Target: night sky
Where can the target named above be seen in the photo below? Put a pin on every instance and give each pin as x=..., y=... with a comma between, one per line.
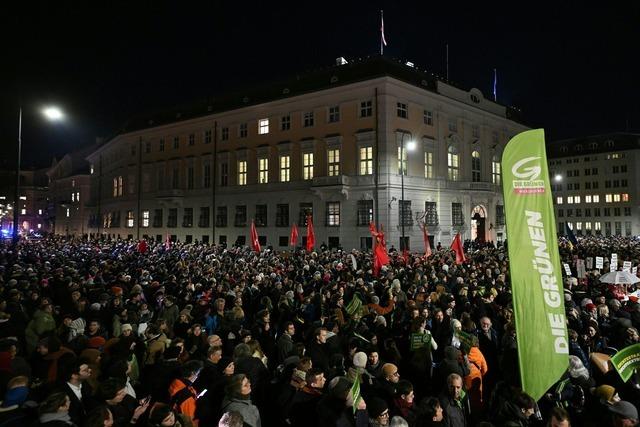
x=572, y=69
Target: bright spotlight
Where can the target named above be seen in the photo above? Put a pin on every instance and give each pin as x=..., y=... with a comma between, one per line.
x=53, y=113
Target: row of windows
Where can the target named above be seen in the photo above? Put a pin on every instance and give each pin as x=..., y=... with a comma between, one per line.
x=364, y=215
x=596, y=212
x=308, y=164
x=596, y=227
x=575, y=173
x=595, y=198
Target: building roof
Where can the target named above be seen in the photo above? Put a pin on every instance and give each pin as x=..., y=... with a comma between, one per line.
x=593, y=144
x=335, y=76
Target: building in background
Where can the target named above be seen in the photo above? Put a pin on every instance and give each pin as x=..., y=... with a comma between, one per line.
x=595, y=184
x=69, y=193
x=327, y=144
x=33, y=215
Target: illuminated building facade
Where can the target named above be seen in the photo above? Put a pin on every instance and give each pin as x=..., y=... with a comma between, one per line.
x=327, y=144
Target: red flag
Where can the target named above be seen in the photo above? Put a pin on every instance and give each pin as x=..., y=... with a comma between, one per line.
x=142, y=246
x=167, y=242
x=456, y=246
x=255, y=242
x=380, y=256
x=425, y=237
x=293, y=237
x=311, y=236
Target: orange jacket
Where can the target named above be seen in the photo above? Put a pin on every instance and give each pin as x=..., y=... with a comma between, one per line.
x=478, y=369
x=183, y=398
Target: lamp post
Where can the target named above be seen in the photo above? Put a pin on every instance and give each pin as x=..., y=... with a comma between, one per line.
x=411, y=145
x=52, y=114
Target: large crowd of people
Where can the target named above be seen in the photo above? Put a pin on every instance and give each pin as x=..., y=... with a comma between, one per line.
x=122, y=333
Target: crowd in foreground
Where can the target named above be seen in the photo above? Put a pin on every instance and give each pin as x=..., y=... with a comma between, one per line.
x=118, y=333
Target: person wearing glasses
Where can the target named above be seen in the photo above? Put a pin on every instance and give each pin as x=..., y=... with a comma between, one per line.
x=378, y=412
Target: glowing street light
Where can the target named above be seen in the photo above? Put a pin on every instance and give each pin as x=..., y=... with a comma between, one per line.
x=52, y=114
x=558, y=178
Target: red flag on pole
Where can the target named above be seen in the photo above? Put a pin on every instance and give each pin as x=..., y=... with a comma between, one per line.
x=380, y=256
x=425, y=237
x=457, y=247
x=255, y=242
x=311, y=236
x=142, y=246
x=293, y=237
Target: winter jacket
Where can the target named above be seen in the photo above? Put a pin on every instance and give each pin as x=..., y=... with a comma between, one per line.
x=248, y=410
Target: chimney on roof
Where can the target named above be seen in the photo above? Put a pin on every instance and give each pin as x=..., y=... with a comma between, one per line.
x=341, y=61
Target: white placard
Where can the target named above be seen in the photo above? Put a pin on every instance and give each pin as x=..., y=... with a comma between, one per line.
x=589, y=263
x=613, y=266
x=599, y=262
x=582, y=273
x=566, y=268
x=626, y=266
x=634, y=270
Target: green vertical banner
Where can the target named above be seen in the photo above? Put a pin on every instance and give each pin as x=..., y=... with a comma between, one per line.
x=536, y=275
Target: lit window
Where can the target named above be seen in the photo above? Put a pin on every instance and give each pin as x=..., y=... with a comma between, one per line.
x=23, y=197
x=333, y=214
x=596, y=198
x=68, y=212
x=129, y=219
x=616, y=197
x=120, y=185
x=597, y=226
x=307, y=166
x=263, y=126
x=570, y=200
x=263, y=171
x=285, y=168
x=145, y=218
x=333, y=161
x=91, y=169
x=578, y=226
x=428, y=164
x=625, y=197
x=475, y=166
x=242, y=172
x=559, y=200
x=496, y=173
x=608, y=198
x=78, y=196
x=576, y=199
x=366, y=160
x=73, y=197
x=39, y=211
x=24, y=212
x=453, y=164
x=587, y=199
x=39, y=226
x=587, y=225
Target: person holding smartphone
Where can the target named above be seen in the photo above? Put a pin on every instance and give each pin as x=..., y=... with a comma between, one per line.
x=183, y=393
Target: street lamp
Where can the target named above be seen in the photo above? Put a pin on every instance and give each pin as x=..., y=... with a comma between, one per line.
x=558, y=178
x=52, y=114
x=410, y=146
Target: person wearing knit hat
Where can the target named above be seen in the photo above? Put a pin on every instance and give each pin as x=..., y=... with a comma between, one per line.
x=126, y=329
x=360, y=360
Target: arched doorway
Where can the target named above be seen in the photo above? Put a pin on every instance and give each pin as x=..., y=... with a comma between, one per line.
x=478, y=224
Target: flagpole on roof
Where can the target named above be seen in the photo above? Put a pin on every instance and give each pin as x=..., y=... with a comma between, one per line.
x=383, y=42
x=495, y=85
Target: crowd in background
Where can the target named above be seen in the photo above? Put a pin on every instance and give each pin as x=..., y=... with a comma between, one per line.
x=122, y=333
